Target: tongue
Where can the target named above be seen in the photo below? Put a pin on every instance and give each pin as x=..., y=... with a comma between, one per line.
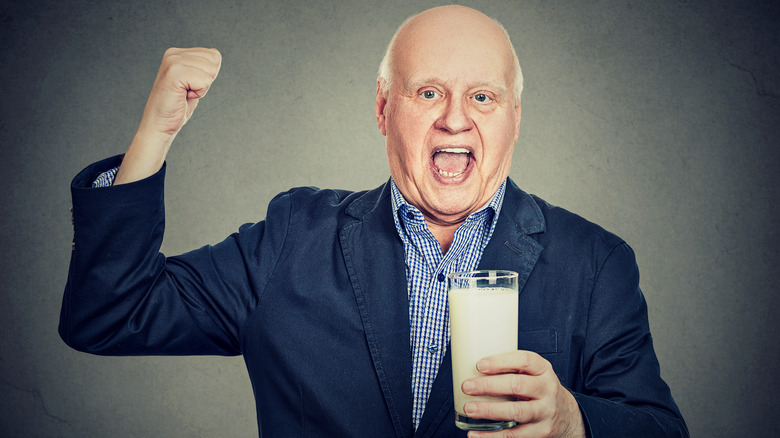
x=451, y=162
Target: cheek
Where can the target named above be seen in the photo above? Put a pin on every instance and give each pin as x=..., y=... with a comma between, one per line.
x=399, y=156
x=412, y=120
x=409, y=136
x=499, y=139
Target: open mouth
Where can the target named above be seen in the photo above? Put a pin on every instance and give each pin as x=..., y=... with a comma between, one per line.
x=451, y=162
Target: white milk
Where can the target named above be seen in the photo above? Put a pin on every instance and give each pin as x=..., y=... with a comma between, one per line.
x=483, y=322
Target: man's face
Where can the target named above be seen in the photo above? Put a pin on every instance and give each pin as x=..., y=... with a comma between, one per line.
x=450, y=117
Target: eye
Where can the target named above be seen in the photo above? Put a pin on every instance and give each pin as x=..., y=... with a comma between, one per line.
x=429, y=94
x=482, y=98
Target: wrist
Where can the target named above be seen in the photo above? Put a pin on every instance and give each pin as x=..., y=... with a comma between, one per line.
x=576, y=424
x=145, y=156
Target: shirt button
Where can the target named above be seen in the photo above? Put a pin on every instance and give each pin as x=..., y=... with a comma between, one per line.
x=433, y=348
x=409, y=215
x=441, y=277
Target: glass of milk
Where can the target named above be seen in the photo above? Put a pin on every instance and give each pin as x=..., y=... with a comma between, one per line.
x=483, y=322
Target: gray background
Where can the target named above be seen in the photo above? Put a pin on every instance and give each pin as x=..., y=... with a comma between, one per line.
x=658, y=120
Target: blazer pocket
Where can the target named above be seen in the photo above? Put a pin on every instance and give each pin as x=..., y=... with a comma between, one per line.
x=539, y=341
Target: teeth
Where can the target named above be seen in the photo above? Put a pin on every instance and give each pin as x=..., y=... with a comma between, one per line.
x=448, y=174
x=454, y=150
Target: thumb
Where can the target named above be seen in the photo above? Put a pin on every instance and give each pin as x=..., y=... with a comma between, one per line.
x=196, y=94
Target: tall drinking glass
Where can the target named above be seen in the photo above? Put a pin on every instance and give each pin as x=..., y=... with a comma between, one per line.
x=483, y=322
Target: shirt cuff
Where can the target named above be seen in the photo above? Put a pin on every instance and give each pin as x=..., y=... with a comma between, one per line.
x=105, y=179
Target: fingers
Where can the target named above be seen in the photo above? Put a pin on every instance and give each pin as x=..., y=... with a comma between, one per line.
x=519, y=386
x=522, y=412
x=192, y=70
x=520, y=361
x=529, y=430
x=523, y=376
x=538, y=401
x=208, y=60
x=535, y=418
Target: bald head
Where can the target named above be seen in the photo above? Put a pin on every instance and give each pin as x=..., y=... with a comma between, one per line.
x=449, y=28
x=448, y=104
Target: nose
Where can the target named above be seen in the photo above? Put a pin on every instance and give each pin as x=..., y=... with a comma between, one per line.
x=454, y=117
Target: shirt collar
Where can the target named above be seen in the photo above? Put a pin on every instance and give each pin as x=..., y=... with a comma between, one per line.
x=412, y=216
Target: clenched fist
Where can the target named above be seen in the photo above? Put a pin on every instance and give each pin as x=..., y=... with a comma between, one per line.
x=184, y=77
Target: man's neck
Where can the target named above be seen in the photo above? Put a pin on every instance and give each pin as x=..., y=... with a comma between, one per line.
x=443, y=231
x=444, y=234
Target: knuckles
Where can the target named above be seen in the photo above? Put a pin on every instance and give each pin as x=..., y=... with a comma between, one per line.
x=517, y=385
x=175, y=55
x=519, y=412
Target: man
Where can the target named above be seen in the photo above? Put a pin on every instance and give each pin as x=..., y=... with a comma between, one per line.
x=337, y=299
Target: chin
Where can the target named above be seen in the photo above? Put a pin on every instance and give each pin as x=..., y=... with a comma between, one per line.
x=457, y=207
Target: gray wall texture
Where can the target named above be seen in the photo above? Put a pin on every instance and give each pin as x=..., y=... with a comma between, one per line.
x=658, y=120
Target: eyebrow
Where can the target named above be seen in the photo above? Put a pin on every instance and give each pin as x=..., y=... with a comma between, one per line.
x=414, y=85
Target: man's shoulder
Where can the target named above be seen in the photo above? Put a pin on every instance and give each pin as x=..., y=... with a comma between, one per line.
x=566, y=228
x=559, y=226
x=318, y=203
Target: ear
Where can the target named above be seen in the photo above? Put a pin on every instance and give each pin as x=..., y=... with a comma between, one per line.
x=517, y=120
x=381, y=102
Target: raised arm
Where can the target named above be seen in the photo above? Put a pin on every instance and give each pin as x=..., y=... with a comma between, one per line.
x=184, y=77
x=123, y=296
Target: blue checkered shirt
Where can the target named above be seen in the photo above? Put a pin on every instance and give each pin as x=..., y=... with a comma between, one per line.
x=426, y=274
x=106, y=178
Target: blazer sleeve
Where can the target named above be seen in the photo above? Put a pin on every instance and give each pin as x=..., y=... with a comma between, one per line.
x=123, y=297
x=623, y=393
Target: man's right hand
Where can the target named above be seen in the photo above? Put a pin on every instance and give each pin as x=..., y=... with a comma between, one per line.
x=184, y=77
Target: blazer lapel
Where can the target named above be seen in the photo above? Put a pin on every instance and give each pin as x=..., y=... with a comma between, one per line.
x=511, y=247
x=375, y=261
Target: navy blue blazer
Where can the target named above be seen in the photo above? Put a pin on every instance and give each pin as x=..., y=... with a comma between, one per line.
x=315, y=299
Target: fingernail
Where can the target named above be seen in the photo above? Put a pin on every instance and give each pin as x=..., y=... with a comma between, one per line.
x=481, y=365
x=470, y=408
x=468, y=386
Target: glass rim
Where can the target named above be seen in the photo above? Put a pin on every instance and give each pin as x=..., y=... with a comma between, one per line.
x=483, y=274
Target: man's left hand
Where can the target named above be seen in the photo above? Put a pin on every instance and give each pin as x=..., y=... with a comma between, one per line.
x=542, y=407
